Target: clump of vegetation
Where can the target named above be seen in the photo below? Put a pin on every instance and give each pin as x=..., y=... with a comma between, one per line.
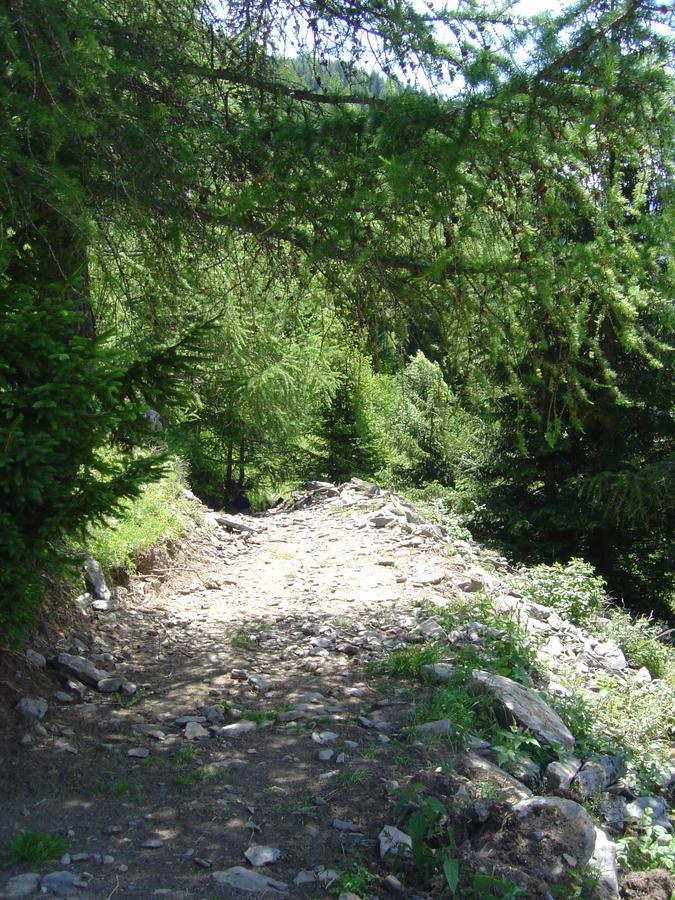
x=158, y=515
x=35, y=847
x=406, y=662
x=572, y=589
x=640, y=638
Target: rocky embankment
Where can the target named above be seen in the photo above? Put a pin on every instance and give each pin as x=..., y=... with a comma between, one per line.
x=229, y=724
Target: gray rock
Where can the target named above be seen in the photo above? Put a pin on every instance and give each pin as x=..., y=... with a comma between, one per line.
x=236, y=729
x=149, y=731
x=655, y=807
x=325, y=755
x=81, y=668
x=61, y=883
x=381, y=520
x=261, y=854
x=348, y=827
x=348, y=895
x=36, y=658
x=195, y=732
x=242, y=879
x=526, y=770
x=129, y=688
x=214, y=713
x=62, y=697
x=185, y=720
x=21, y=886
x=138, y=752
x=440, y=728
x=261, y=683
x=526, y=707
x=430, y=628
x=505, y=786
x=364, y=487
x=611, y=655
x=32, y=708
x=613, y=812
x=558, y=775
x=439, y=672
x=109, y=685
x=152, y=844
x=97, y=579
x=324, y=737
x=392, y=884
x=394, y=841
x=597, y=774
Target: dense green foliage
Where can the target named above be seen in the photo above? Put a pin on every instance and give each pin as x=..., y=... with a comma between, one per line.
x=424, y=245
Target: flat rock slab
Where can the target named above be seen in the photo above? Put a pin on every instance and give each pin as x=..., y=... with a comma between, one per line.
x=250, y=882
x=81, y=668
x=482, y=770
x=21, y=886
x=526, y=707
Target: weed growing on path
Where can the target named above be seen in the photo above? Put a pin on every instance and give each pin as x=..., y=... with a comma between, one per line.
x=34, y=847
x=124, y=788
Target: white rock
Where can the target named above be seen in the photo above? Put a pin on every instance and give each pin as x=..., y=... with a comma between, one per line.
x=394, y=841
x=97, y=579
x=430, y=628
x=261, y=854
x=236, y=729
x=604, y=860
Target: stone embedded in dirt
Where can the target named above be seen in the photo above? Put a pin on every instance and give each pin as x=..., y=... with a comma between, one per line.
x=62, y=697
x=526, y=707
x=202, y=863
x=236, y=729
x=505, y=786
x=597, y=774
x=440, y=728
x=196, y=732
x=21, y=886
x=36, y=658
x=109, y=685
x=392, y=884
x=348, y=895
x=239, y=674
x=324, y=737
x=81, y=668
x=138, y=752
x=348, y=827
x=262, y=855
x=214, y=713
x=394, y=841
x=604, y=862
x=149, y=731
x=559, y=774
x=61, y=883
x=185, y=720
x=128, y=688
x=382, y=519
x=430, y=628
x=242, y=879
x=326, y=755
x=261, y=683
x=32, y=708
x=655, y=807
x=612, y=811
x=152, y=844
x=77, y=688
x=438, y=672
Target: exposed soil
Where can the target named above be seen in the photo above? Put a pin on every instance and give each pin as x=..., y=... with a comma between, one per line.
x=260, y=603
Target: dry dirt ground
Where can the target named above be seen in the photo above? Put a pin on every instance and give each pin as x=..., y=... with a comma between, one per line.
x=306, y=601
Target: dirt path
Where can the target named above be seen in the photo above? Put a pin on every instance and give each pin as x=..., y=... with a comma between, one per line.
x=270, y=632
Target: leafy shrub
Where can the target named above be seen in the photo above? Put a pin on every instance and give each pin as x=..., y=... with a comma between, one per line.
x=639, y=640
x=648, y=847
x=573, y=589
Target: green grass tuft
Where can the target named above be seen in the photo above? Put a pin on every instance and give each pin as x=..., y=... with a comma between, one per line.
x=35, y=847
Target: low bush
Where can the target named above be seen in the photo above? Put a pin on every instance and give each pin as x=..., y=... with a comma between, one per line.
x=573, y=589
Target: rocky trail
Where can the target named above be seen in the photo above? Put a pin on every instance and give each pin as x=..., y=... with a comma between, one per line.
x=218, y=729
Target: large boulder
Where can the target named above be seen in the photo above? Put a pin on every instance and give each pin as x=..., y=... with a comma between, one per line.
x=514, y=701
